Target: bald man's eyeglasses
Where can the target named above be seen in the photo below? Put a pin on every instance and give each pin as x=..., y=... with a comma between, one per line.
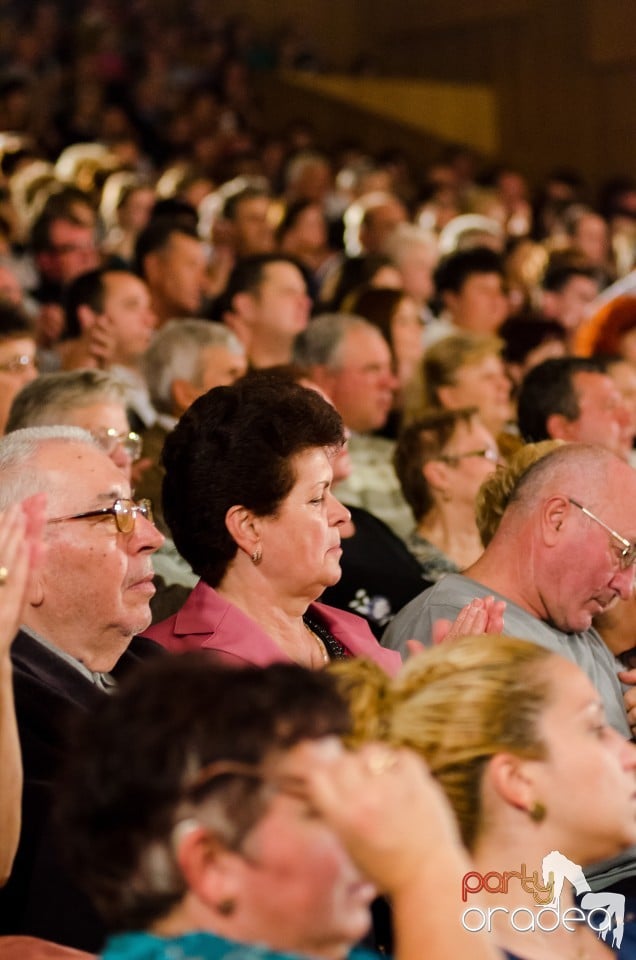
x=626, y=549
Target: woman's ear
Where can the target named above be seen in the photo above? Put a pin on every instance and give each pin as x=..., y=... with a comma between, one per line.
x=243, y=527
x=513, y=780
x=209, y=869
x=435, y=473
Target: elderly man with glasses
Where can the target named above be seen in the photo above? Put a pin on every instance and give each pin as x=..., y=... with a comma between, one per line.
x=90, y=599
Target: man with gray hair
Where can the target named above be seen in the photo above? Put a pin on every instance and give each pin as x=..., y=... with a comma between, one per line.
x=349, y=359
x=90, y=598
x=91, y=399
x=185, y=360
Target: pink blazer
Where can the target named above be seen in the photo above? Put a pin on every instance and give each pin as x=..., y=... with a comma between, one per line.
x=208, y=622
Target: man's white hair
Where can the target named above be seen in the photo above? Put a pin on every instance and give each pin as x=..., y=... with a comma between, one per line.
x=17, y=449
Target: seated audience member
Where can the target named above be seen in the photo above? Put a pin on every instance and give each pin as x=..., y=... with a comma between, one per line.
x=171, y=259
x=395, y=314
x=94, y=401
x=470, y=285
x=464, y=371
x=568, y=289
x=370, y=220
x=350, y=360
x=528, y=340
x=353, y=272
x=441, y=461
x=266, y=306
x=261, y=527
x=185, y=360
x=303, y=233
x=90, y=598
x=572, y=398
x=514, y=735
x=588, y=233
x=125, y=208
x=90, y=399
x=246, y=830
x=17, y=357
x=378, y=574
x=559, y=510
x=414, y=252
x=21, y=528
x=110, y=324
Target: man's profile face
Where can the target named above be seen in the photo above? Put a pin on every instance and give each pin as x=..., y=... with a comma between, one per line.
x=182, y=274
x=481, y=305
x=363, y=385
x=72, y=251
x=253, y=230
x=128, y=310
x=604, y=417
x=282, y=303
x=590, y=578
x=94, y=581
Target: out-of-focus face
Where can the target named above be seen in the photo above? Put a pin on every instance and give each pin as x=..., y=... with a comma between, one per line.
x=98, y=418
x=220, y=367
x=604, y=417
x=309, y=233
x=477, y=456
x=17, y=368
x=571, y=305
x=72, y=251
x=301, y=542
x=10, y=289
x=282, y=306
x=592, y=238
x=362, y=386
x=481, y=305
x=406, y=329
x=134, y=213
x=482, y=384
x=299, y=890
x=582, y=749
x=178, y=282
x=416, y=267
x=252, y=227
x=623, y=376
x=130, y=315
x=379, y=224
x=94, y=583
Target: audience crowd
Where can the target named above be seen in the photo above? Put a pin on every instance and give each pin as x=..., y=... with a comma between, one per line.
x=273, y=409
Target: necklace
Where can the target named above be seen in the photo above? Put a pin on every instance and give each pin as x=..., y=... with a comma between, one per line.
x=323, y=650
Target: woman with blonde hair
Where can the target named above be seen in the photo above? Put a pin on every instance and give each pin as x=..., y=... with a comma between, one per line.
x=514, y=734
x=463, y=370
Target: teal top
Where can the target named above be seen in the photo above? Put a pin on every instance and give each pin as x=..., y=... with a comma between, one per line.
x=197, y=946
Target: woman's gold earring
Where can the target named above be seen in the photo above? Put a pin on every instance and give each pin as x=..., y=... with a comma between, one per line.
x=537, y=812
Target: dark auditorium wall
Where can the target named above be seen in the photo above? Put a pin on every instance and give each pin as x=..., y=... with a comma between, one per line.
x=564, y=71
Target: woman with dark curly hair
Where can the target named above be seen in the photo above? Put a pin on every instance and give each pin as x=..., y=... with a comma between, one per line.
x=247, y=496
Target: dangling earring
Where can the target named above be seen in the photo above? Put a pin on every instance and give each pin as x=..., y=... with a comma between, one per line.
x=257, y=556
x=537, y=812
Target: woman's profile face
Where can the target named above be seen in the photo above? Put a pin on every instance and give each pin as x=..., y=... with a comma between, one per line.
x=588, y=780
x=301, y=542
x=300, y=891
x=476, y=452
x=406, y=331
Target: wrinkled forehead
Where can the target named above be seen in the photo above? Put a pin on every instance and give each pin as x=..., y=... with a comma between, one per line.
x=77, y=477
